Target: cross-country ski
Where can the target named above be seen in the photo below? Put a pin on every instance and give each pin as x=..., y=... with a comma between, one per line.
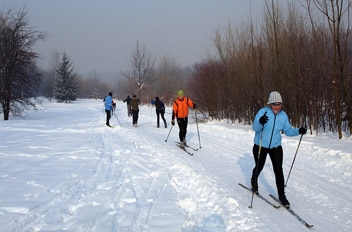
x=260, y=196
x=294, y=214
x=186, y=145
x=184, y=149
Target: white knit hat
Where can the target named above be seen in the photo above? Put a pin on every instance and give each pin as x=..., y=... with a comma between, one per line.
x=274, y=97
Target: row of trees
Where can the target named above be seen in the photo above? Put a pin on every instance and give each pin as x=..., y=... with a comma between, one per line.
x=303, y=54
x=146, y=78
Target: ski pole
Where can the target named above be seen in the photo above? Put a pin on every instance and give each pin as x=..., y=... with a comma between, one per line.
x=256, y=164
x=195, y=112
x=169, y=133
x=294, y=158
x=117, y=119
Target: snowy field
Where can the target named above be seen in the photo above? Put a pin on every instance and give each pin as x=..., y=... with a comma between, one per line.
x=62, y=169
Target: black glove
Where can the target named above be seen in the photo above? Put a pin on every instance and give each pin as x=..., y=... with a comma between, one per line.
x=194, y=106
x=173, y=122
x=263, y=119
x=302, y=131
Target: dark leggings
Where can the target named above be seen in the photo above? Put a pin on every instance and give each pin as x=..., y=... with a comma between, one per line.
x=108, y=116
x=276, y=156
x=158, y=113
x=135, y=116
x=182, y=125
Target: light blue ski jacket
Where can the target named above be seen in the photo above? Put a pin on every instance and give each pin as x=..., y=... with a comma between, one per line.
x=108, y=102
x=271, y=130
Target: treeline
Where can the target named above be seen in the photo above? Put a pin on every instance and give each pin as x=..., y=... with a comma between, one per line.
x=146, y=78
x=305, y=55
x=304, y=52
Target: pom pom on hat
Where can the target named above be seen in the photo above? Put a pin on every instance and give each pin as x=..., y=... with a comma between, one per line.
x=274, y=97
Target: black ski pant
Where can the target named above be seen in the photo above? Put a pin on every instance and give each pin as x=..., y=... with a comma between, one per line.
x=108, y=116
x=276, y=156
x=182, y=125
x=135, y=116
x=158, y=114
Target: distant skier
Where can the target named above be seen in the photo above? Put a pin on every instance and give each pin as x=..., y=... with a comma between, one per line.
x=108, y=108
x=160, y=110
x=128, y=102
x=134, y=110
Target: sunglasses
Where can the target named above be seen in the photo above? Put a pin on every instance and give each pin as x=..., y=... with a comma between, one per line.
x=276, y=104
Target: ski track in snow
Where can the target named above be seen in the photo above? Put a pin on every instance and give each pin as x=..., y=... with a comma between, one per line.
x=129, y=179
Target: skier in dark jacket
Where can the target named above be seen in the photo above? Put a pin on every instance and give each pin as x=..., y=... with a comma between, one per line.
x=128, y=102
x=134, y=110
x=160, y=110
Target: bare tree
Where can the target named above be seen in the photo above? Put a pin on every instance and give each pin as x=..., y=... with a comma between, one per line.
x=19, y=78
x=169, y=77
x=334, y=11
x=94, y=84
x=142, y=73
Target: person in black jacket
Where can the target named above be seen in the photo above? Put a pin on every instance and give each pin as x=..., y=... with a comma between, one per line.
x=160, y=110
x=128, y=102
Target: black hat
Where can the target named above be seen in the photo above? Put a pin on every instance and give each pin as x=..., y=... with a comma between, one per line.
x=110, y=93
x=134, y=95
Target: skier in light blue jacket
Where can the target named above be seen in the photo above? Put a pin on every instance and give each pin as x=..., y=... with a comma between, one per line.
x=268, y=124
x=108, y=108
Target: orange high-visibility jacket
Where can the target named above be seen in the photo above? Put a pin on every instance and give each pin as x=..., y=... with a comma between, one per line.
x=180, y=108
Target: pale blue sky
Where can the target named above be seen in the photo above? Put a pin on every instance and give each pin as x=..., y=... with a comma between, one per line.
x=100, y=35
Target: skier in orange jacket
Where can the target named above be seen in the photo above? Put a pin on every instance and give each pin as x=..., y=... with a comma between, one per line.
x=180, y=112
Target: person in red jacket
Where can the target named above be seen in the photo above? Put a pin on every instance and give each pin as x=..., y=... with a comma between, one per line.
x=180, y=112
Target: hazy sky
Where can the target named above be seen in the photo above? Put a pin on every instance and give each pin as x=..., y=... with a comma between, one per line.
x=100, y=35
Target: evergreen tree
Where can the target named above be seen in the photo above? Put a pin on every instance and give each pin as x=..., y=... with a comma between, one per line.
x=65, y=88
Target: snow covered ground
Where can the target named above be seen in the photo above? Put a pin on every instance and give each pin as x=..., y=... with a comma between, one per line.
x=62, y=169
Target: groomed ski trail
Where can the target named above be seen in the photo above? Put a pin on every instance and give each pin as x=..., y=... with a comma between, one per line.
x=133, y=181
